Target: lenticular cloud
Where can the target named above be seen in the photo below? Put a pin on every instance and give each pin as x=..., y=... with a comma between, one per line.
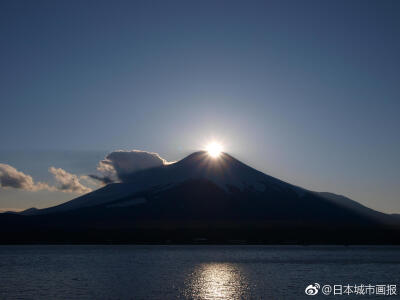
x=118, y=165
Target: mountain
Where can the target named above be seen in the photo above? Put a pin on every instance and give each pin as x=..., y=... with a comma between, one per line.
x=201, y=198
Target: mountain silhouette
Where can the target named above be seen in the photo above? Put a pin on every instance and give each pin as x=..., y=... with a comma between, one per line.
x=203, y=199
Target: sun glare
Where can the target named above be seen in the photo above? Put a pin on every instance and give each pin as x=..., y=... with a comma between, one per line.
x=214, y=149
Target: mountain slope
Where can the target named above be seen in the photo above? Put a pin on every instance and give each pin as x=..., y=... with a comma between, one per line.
x=226, y=172
x=219, y=199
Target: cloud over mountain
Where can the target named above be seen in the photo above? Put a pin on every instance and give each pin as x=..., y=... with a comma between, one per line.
x=68, y=182
x=10, y=177
x=118, y=165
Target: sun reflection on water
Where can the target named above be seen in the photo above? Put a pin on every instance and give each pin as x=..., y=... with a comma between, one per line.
x=217, y=281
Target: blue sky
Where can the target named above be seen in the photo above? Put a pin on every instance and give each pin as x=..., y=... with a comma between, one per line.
x=306, y=91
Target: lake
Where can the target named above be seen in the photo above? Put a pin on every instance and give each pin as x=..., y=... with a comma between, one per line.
x=194, y=272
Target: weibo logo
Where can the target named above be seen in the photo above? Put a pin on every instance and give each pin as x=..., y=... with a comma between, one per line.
x=312, y=290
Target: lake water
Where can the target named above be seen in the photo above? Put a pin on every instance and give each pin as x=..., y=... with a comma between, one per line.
x=191, y=272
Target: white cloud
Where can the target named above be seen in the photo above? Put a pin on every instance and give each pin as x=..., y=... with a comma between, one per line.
x=116, y=166
x=66, y=182
x=119, y=164
x=11, y=177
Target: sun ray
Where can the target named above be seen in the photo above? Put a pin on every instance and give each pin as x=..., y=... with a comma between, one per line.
x=214, y=149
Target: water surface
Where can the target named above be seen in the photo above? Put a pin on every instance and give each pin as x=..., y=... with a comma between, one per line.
x=189, y=272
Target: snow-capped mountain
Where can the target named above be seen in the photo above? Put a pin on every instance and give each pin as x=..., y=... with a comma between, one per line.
x=204, y=196
x=225, y=171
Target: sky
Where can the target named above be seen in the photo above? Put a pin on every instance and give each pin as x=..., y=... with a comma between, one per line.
x=306, y=91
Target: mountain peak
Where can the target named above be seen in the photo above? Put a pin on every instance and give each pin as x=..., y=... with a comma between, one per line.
x=224, y=175
x=202, y=158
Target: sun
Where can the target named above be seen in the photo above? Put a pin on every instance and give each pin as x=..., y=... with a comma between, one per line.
x=214, y=149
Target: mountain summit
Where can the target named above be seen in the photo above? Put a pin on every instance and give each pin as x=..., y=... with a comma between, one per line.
x=214, y=199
